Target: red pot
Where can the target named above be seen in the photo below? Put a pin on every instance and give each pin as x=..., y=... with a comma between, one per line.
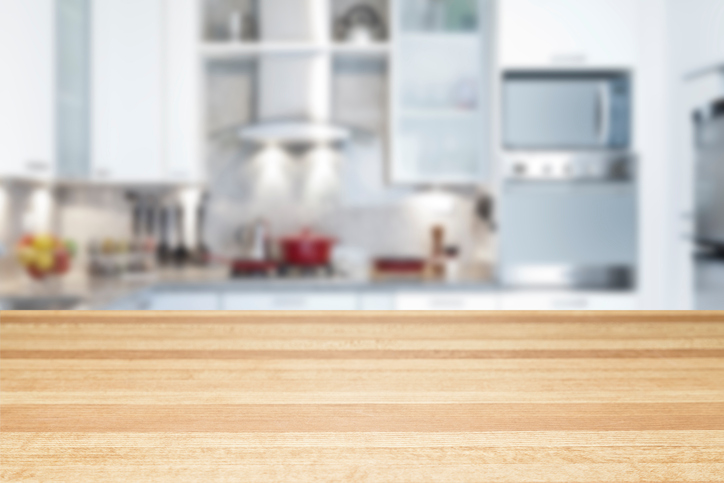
x=307, y=249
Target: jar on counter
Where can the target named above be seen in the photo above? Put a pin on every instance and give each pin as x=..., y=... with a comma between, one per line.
x=452, y=264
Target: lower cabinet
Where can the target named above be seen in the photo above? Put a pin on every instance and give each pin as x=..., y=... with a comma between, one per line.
x=376, y=301
x=190, y=300
x=446, y=301
x=568, y=301
x=291, y=300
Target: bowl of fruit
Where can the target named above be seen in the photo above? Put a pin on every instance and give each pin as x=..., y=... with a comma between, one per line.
x=44, y=255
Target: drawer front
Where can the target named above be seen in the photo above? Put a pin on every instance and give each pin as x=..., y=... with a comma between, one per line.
x=370, y=301
x=182, y=301
x=445, y=301
x=569, y=302
x=290, y=301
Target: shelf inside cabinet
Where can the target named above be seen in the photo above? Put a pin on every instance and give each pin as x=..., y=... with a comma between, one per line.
x=224, y=50
x=439, y=113
x=379, y=49
x=443, y=38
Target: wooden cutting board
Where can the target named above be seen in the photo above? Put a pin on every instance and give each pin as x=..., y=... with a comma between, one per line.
x=347, y=397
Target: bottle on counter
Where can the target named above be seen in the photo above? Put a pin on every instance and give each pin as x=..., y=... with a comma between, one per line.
x=436, y=262
x=135, y=262
x=163, y=250
x=181, y=253
x=202, y=254
x=149, y=240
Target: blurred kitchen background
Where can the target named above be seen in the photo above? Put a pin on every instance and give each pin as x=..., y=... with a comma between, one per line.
x=362, y=154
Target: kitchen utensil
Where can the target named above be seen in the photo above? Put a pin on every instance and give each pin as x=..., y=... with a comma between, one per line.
x=236, y=26
x=181, y=252
x=360, y=24
x=306, y=249
x=163, y=250
x=202, y=254
x=254, y=241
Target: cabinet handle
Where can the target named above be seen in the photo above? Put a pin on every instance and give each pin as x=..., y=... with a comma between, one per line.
x=37, y=165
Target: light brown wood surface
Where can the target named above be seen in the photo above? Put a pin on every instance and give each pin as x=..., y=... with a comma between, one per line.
x=314, y=397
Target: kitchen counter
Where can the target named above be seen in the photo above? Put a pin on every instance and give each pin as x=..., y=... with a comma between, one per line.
x=581, y=397
x=120, y=292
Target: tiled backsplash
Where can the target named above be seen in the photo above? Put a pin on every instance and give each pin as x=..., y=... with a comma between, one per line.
x=341, y=193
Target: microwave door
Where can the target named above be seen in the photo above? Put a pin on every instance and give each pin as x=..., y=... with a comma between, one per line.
x=556, y=114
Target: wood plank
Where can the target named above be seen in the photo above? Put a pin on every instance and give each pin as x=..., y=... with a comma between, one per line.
x=508, y=397
x=208, y=355
x=363, y=417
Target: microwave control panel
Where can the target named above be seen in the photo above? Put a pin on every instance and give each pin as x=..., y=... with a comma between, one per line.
x=569, y=167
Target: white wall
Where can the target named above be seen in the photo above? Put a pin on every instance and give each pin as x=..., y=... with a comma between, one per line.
x=651, y=112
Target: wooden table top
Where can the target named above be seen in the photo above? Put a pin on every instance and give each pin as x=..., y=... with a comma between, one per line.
x=347, y=397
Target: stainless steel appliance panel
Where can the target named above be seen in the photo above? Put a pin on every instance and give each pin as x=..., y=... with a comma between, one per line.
x=710, y=176
x=569, y=234
x=555, y=111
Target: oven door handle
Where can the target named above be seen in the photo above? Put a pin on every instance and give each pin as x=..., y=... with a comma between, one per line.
x=604, y=115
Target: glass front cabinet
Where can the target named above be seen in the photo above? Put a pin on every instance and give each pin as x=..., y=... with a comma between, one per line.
x=440, y=92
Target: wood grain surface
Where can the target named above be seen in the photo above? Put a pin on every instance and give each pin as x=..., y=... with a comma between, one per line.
x=314, y=397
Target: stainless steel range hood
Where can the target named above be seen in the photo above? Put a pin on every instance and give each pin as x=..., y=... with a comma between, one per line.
x=293, y=102
x=294, y=133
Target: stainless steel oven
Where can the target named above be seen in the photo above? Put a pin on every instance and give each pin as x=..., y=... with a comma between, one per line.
x=569, y=221
x=569, y=197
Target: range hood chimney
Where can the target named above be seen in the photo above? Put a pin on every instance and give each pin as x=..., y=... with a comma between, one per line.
x=294, y=89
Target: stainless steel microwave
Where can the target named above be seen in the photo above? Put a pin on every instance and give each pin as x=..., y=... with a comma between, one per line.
x=561, y=111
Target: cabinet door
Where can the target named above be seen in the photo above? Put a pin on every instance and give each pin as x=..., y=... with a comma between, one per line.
x=27, y=85
x=696, y=29
x=440, y=92
x=568, y=301
x=127, y=76
x=182, y=113
x=290, y=300
x=73, y=88
x=446, y=301
x=568, y=33
x=183, y=301
x=376, y=301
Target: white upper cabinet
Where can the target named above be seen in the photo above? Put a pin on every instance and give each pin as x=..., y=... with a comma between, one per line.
x=145, y=100
x=440, y=92
x=568, y=33
x=697, y=28
x=127, y=78
x=27, y=89
x=181, y=104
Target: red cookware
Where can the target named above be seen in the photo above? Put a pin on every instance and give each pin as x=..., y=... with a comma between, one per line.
x=307, y=249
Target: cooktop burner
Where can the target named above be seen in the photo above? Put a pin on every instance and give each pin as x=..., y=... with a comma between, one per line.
x=270, y=269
